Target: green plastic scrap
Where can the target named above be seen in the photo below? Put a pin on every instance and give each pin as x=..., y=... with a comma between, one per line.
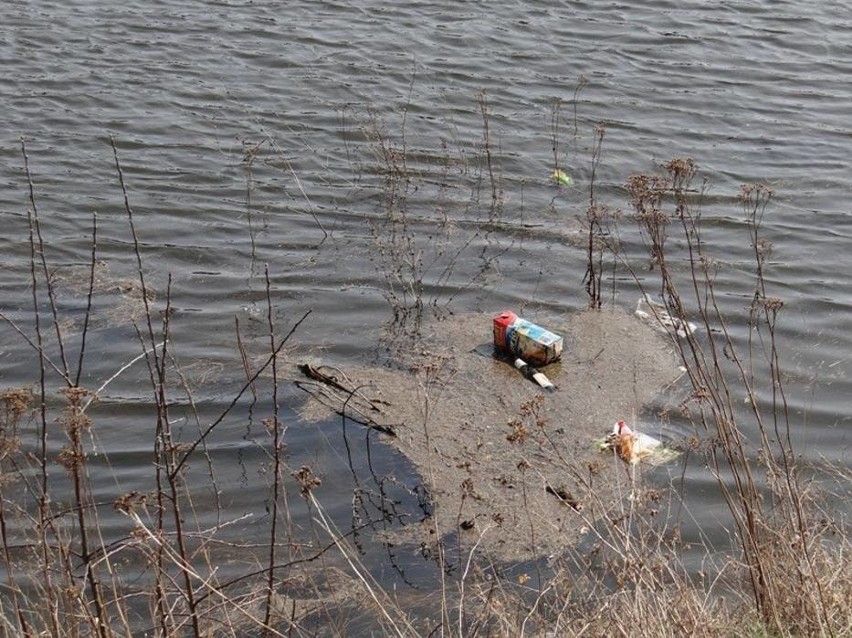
x=562, y=178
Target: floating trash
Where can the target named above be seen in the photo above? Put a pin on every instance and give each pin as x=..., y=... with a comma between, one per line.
x=656, y=315
x=525, y=340
x=562, y=178
x=526, y=344
x=539, y=377
x=633, y=447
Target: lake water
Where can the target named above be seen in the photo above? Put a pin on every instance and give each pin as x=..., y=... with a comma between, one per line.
x=254, y=134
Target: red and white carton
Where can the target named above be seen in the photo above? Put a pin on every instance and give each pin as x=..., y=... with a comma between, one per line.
x=501, y=325
x=526, y=340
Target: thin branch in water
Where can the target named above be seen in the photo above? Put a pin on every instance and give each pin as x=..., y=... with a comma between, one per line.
x=301, y=189
x=88, y=314
x=276, y=452
x=35, y=346
x=141, y=272
x=48, y=279
x=239, y=395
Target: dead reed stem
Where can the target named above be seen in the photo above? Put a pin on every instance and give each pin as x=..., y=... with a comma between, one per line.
x=43, y=499
x=88, y=314
x=749, y=471
x=40, y=251
x=496, y=195
x=596, y=218
x=275, y=427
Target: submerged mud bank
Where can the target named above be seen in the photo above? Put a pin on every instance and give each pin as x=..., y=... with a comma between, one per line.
x=507, y=466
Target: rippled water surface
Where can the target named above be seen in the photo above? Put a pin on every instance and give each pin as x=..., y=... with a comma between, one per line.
x=259, y=134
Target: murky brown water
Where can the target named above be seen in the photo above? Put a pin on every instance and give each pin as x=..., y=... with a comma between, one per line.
x=253, y=135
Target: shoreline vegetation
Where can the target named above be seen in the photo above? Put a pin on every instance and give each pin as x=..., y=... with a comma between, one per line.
x=786, y=572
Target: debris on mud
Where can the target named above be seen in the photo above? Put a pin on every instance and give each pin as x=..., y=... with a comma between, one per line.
x=506, y=465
